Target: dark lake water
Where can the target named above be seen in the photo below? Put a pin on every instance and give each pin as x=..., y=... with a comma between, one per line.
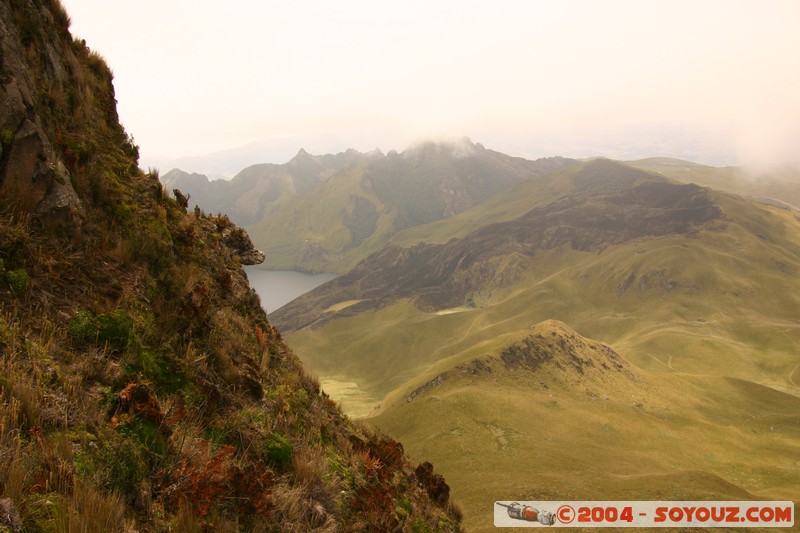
x=279, y=287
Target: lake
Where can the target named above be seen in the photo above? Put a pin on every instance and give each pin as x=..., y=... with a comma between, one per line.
x=279, y=287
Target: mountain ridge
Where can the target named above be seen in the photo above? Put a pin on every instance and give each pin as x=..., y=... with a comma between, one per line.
x=260, y=188
x=358, y=205
x=634, y=205
x=143, y=388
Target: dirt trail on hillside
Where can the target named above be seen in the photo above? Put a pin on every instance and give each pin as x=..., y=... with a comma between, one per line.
x=792, y=373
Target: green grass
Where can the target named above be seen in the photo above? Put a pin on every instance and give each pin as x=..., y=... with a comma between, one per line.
x=709, y=323
x=311, y=234
x=776, y=181
x=672, y=304
x=505, y=436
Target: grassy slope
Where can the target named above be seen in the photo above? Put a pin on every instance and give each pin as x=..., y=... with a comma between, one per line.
x=780, y=182
x=359, y=208
x=254, y=191
x=258, y=190
x=775, y=181
x=708, y=320
x=720, y=297
x=502, y=207
x=141, y=386
x=532, y=436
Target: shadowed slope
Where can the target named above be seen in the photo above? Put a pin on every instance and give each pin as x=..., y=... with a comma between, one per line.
x=609, y=204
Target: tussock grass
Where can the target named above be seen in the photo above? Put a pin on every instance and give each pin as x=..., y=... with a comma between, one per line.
x=141, y=386
x=90, y=510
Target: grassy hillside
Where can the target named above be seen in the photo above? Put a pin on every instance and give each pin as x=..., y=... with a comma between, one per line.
x=502, y=207
x=142, y=387
x=608, y=204
x=316, y=231
x=781, y=182
x=719, y=295
x=552, y=416
x=695, y=289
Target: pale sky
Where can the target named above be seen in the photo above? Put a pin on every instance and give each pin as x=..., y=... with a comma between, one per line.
x=712, y=81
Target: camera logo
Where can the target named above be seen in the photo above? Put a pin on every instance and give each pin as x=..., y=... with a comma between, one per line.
x=527, y=513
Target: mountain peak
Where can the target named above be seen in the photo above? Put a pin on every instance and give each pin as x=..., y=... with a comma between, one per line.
x=301, y=154
x=553, y=352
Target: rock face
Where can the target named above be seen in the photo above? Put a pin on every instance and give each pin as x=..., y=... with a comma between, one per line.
x=30, y=171
x=239, y=242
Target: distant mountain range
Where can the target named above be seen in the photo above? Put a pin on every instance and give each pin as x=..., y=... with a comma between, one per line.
x=326, y=213
x=259, y=189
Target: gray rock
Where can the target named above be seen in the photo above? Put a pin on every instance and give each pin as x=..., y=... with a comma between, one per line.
x=239, y=242
x=33, y=178
x=9, y=516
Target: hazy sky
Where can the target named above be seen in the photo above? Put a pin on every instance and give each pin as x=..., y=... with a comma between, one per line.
x=714, y=81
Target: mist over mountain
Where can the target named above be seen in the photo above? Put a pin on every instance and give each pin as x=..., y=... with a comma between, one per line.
x=326, y=213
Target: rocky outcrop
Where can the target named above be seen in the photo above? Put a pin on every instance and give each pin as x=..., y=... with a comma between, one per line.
x=9, y=516
x=33, y=179
x=239, y=242
x=551, y=351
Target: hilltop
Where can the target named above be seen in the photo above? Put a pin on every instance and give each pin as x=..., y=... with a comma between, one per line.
x=142, y=386
x=550, y=414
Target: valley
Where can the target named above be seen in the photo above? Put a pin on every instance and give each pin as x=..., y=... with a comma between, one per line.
x=689, y=287
x=588, y=330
